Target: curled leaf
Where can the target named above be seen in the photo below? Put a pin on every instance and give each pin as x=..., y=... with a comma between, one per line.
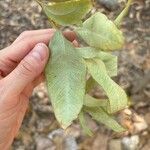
x=65, y=76
x=100, y=32
x=117, y=96
x=102, y=116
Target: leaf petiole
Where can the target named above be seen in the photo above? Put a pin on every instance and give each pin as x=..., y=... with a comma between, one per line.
x=90, y=101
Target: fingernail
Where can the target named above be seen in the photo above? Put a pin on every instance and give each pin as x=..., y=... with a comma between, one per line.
x=39, y=51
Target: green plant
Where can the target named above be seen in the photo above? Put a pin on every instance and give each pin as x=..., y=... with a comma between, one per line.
x=67, y=70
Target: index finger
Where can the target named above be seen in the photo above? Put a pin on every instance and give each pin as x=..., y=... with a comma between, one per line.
x=19, y=50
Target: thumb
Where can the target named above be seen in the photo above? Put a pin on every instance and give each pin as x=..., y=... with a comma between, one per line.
x=28, y=69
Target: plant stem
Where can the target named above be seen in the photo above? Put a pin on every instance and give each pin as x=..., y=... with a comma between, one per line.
x=53, y=24
x=90, y=101
x=124, y=12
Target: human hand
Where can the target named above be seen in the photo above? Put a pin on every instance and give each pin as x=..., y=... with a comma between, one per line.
x=21, y=69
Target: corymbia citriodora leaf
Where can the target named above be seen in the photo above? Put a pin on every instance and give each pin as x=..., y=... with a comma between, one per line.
x=65, y=76
x=109, y=59
x=100, y=32
x=116, y=95
x=67, y=12
x=68, y=68
x=102, y=116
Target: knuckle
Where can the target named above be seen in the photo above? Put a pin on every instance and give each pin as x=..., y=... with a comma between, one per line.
x=28, y=43
x=27, y=67
x=24, y=34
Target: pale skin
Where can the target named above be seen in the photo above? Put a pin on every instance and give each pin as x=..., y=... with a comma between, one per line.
x=21, y=70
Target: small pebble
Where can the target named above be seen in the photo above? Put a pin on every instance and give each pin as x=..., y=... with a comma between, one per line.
x=43, y=143
x=130, y=143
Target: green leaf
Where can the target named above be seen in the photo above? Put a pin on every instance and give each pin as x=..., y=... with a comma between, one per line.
x=117, y=96
x=109, y=60
x=83, y=123
x=90, y=101
x=65, y=76
x=67, y=12
x=100, y=115
x=63, y=8
x=99, y=32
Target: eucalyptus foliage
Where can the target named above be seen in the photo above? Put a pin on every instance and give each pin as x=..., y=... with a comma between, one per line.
x=67, y=69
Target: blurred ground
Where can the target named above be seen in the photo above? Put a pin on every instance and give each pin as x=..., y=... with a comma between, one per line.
x=40, y=131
